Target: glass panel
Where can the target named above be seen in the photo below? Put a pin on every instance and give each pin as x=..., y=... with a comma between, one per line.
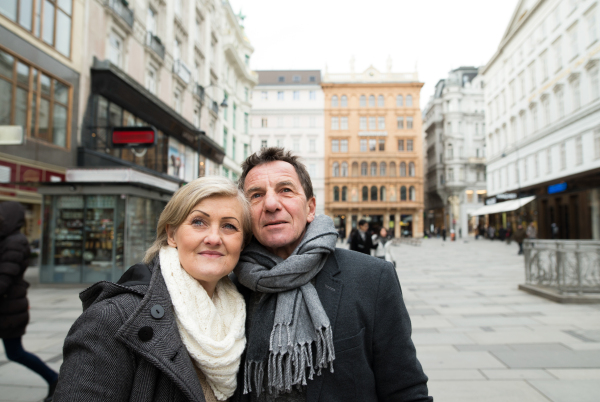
x=6, y=64
x=66, y=5
x=22, y=74
x=48, y=34
x=45, y=81
x=33, y=114
x=9, y=9
x=36, y=22
x=59, y=126
x=44, y=119
x=136, y=228
x=5, y=99
x=61, y=92
x=25, y=12
x=63, y=33
x=129, y=119
x=99, y=238
x=101, y=112
x=35, y=79
x=21, y=109
x=114, y=115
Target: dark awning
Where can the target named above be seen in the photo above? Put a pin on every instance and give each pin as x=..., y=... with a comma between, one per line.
x=119, y=88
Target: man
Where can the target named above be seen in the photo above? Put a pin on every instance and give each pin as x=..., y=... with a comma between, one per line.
x=531, y=232
x=361, y=241
x=323, y=324
x=519, y=236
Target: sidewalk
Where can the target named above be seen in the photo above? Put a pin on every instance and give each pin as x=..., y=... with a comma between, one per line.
x=477, y=336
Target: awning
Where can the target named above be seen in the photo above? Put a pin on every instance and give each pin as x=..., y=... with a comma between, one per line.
x=119, y=88
x=505, y=206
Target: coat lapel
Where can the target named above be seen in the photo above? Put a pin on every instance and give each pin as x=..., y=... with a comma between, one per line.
x=329, y=289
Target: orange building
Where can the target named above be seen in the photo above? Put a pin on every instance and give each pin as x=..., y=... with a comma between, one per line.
x=374, y=151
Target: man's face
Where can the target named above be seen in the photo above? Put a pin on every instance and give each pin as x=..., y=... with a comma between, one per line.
x=279, y=208
x=364, y=227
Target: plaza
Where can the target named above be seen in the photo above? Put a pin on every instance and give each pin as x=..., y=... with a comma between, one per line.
x=477, y=336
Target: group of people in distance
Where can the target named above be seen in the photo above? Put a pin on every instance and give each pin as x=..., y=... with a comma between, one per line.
x=244, y=297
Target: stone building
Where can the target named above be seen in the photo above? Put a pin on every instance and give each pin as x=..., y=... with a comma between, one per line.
x=373, y=150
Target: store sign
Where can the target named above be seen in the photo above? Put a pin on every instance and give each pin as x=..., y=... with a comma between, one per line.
x=506, y=196
x=24, y=177
x=557, y=188
x=133, y=137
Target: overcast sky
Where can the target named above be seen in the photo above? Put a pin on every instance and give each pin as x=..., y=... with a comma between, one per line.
x=433, y=35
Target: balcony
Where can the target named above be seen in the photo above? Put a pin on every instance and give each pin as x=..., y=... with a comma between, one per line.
x=154, y=43
x=182, y=71
x=120, y=8
x=477, y=161
x=200, y=93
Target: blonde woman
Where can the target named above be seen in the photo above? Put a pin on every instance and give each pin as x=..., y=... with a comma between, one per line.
x=172, y=328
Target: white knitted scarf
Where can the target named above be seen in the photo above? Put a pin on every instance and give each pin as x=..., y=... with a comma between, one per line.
x=211, y=330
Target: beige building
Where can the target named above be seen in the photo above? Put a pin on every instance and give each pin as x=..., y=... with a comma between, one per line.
x=373, y=150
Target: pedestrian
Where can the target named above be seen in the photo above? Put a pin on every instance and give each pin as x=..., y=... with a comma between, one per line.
x=361, y=241
x=303, y=293
x=382, y=246
x=554, y=230
x=443, y=233
x=519, y=236
x=173, y=328
x=14, y=307
x=531, y=232
x=491, y=232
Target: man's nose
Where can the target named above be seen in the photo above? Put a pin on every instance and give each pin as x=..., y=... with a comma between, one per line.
x=271, y=202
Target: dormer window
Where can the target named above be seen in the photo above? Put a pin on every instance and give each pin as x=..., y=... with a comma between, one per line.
x=281, y=79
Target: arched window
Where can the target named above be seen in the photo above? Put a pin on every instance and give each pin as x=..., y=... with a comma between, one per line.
x=411, y=169
x=403, y=193
x=382, y=193
x=382, y=169
x=399, y=100
x=403, y=169
x=371, y=100
x=364, y=169
x=409, y=100
x=380, y=101
x=336, y=193
x=412, y=193
x=344, y=169
x=336, y=169
x=373, y=168
x=365, y=193
x=373, y=193
x=334, y=101
x=344, y=193
x=363, y=101
x=393, y=169
x=344, y=101
x=354, y=169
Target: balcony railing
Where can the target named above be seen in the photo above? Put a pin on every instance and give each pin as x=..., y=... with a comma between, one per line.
x=154, y=43
x=119, y=7
x=182, y=71
x=200, y=92
x=568, y=266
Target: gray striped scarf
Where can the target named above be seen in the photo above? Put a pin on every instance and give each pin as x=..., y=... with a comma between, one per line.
x=290, y=333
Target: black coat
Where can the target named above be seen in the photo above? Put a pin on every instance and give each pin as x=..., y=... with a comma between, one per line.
x=375, y=358
x=14, y=259
x=362, y=246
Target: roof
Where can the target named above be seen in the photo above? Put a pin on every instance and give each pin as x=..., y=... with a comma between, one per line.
x=289, y=77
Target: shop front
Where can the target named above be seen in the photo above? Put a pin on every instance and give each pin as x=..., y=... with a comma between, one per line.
x=99, y=223
x=507, y=212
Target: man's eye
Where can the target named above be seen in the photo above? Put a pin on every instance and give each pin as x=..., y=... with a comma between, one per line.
x=255, y=195
x=286, y=190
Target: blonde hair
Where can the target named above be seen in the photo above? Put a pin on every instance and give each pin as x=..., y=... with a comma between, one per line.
x=186, y=198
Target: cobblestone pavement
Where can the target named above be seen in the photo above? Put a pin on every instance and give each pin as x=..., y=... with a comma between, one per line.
x=477, y=336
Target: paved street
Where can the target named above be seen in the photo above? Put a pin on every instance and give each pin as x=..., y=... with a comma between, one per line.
x=477, y=336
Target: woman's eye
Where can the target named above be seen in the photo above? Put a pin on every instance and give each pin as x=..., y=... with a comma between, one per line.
x=197, y=222
x=230, y=226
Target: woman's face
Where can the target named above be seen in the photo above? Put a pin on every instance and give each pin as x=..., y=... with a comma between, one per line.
x=210, y=240
x=383, y=233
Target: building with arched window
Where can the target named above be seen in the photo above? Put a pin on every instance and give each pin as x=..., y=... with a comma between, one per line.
x=375, y=115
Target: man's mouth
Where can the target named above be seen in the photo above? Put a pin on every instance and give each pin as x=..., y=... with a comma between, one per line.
x=275, y=223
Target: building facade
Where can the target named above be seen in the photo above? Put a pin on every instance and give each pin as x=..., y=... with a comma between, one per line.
x=454, y=127
x=373, y=150
x=543, y=116
x=287, y=111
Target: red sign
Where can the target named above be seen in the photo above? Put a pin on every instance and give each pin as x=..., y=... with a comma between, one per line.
x=133, y=137
x=21, y=174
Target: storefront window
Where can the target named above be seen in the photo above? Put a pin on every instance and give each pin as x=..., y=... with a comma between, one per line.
x=142, y=218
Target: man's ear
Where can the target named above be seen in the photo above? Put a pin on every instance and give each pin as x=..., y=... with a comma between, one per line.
x=312, y=207
x=170, y=236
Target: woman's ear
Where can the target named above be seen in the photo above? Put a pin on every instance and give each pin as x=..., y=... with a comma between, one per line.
x=171, y=236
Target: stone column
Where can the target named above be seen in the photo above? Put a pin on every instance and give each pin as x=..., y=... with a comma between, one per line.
x=397, y=226
x=418, y=223
x=386, y=220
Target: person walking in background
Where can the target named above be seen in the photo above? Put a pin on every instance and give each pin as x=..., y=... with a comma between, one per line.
x=382, y=244
x=491, y=232
x=554, y=230
x=14, y=307
x=531, y=232
x=519, y=236
x=444, y=233
x=361, y=241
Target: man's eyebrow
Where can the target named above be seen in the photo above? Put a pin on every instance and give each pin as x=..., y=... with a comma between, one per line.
x=286, y=183
x=252, y=189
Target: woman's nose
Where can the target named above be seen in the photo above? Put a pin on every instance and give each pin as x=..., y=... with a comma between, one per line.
x=213, y=237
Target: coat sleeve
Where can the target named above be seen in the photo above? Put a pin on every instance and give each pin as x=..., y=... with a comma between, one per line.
x=398, y=373
x=354, y=242
x=96, y=365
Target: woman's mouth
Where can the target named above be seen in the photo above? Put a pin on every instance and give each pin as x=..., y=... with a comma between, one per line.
x=211, y=254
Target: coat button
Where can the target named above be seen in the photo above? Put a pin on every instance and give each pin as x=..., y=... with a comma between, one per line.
x=157, y=311
x=145, y=333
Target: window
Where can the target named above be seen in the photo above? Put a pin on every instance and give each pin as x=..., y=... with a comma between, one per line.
x=380, y=101
x=403, y=169
x=312, y=169
x=549, y=160
x=546, y=108
x=532, y=81
x=576, y=93
x=177, y=101
x=115, y=49
x=296, y=95
x=578, y=151
x=372, y=144
x=573, y=41
x=246, y=123
x=381, y=122
x=365, y=193
x=336, y=193
x=344, y=123
x=371, y=100
x=296, y=78
x=522, y=84
x=344, y=193
x=560, y=102
x=344, y=101
x=594, y=87
x=544, y=62
x=225, y=139
x=312, y=145
x=151, y=26
x=264, y=95
x=334, y=101
x=281, y=78
x=400, y=145
x=450, y=174
x=382, y=145
x=411, y=169
x=363, y=145
x=280, y=95
x=312, y=78
x=335, y=123
x=382, y=193
x=344, y=169
x=312, y=95
x=409, y=122
x=336, y=169
x=597, y=143
x=563, y=156
x=363, y=101
x=363, y=169
x=412, y=193
x=296, y=145
x=393, y=169
x=335, y=146
x=344, y=146
x=372, y=123
x=312, y=122
x=233, y=116
x=534, y=117
x=592, y=29
x=403, y=193
x=280, y=121
x=556, y=48
x=409, y=101
x=399, y=101
x=151, y=80
x=409, y=145
x=263, y=122
x=400, y=122
x=363, y=123
x=233, y=146
x=382, y=169
x=374, y=193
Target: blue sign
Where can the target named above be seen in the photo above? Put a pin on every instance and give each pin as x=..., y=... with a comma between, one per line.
x=557, y=188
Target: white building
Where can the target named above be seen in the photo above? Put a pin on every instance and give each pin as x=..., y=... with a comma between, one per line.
x=287, y=111
x=543, y=114
x=454, y=126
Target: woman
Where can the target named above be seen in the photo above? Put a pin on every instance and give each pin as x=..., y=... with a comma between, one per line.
x=383, y=246
x=172, y=328
x=14, y=308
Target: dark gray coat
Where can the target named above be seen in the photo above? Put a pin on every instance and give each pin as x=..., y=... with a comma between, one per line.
x=122, y=349
x=375, y=358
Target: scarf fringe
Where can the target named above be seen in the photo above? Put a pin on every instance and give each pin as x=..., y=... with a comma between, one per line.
x=289, y=368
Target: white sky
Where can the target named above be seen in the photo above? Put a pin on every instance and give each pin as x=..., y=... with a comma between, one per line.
x=434, y=35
